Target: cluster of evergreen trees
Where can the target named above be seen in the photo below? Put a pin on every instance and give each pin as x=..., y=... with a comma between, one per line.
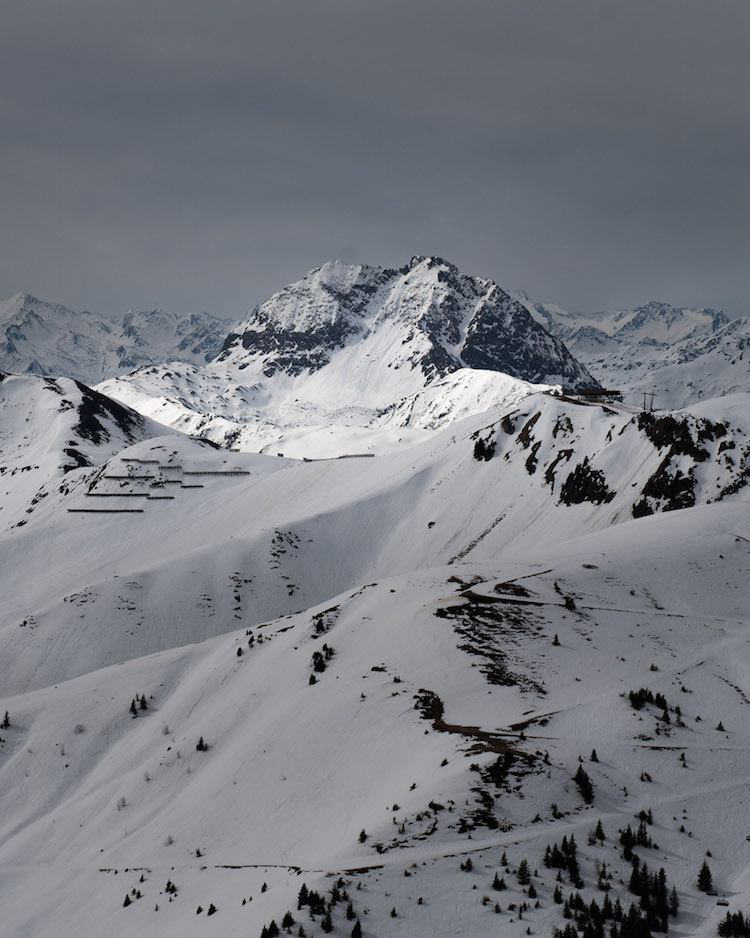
x=565, y=858
x=628, y=839
x=585, y=785
x=319, y=660
x=139, y=702
x=639, y=698
x=639, y=921
x=590, y=921
x=656, y=899
x=735, y=925
x=317, y=905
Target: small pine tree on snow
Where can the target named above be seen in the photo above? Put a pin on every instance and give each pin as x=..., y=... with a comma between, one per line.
x=357, y=930
x=201, y=745
x=705, y=880
x=126, y=903
x=720, y=727
x=133, y=708
x=532, y=892
x=313, y=679
x=6, y=721
x=393, y=912
x=350, y=912
x=674, y=903
x=593, y=756
x=302, y=896
x=498, y=883
x=599, y=832
x=144, y=702
x=556, y=641
x=287, y=921
x=326, y=924
x=273, y=929
x=523, y=874
x=362, y=836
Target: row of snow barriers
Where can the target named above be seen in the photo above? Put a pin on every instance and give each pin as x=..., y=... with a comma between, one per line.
x=154, y=481
x=342, y=456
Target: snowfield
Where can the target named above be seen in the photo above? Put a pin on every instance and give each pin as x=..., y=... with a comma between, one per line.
x=229, y=674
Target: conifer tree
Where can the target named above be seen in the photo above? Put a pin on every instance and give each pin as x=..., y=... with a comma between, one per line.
x=705, y=879
x=585, y=787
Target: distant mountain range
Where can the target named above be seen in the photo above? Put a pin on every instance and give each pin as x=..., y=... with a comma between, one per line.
x=678, y=354
x=49, y=339
x=376, y=352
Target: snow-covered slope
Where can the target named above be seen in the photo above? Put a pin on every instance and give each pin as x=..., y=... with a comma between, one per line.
x=48, y=339
x=207, y=540
x=49, y=428
x=450, y=710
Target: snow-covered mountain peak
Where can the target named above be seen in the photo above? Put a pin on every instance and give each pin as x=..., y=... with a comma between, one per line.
x=662, y=322
x=426, y=317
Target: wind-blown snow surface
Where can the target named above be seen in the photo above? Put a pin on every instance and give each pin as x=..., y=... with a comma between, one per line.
x=49, y=339
x=427, y=586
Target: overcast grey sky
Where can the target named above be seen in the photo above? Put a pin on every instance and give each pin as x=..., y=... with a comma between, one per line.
x=200, y=154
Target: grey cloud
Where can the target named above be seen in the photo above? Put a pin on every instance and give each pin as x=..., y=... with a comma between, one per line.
x=193, y=154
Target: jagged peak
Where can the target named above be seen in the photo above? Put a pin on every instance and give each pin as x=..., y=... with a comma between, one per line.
x=22, y=299
x=430, y=262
